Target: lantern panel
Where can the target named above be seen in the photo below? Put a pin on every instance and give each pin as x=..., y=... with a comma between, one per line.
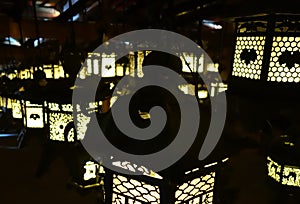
x=274, y=169
x=34, y=115
x=291, y=176
x=57, y=123
x=198, y=190
x=108, y=65
x=248, y=57
x=133, y=190
x=284, y=62
x=91, y=170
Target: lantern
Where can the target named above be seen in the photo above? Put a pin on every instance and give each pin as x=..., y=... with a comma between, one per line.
x=17, y=108
x=266, y=54
x=194, y=186
x=34, y=115
x=60, y=122
x=283, y=166
x=89, y=174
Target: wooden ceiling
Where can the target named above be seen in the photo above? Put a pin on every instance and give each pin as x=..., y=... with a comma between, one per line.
x=113, y=17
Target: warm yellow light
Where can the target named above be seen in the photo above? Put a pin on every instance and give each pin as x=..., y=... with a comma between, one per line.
x=198, y=187
x=279, y=46
x=240, y=67
x=134, y=190
x=96, y=66
x=58, y=123
x=134, y=168
x=17, y=109
x=289, y=144
x=274, y=169
x=210, y=165
x=34, y=115
x=202, y=94
x=82, y=123
x=108, y=65
x=91, y=169
x=59, y=71
x=89, y=66
x=291, y=176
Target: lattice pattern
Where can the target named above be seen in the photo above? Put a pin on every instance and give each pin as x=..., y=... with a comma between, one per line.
x=274, y=169
x=9, y=103
x=67, y=107
x=81, y=126
x=248, y=57
x=252, y=27
x=287, y=25
x=291, y=176
x=58, y=123
x=285, y=60
x=135, y=168
x=134, y=191
x=53, y=106
x=198, y=190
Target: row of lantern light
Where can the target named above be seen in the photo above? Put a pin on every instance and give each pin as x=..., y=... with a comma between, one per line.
x=59, y=118
x=197, y=186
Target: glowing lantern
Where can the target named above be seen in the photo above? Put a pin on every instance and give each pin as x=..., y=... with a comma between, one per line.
x=88, y=175
x=266, y=51
x=17, y=109
x=195, y=186
x=60, y=119
x=34, y=115
x=282, y=164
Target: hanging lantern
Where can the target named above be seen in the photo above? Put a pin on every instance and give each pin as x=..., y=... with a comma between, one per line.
x=266, y=54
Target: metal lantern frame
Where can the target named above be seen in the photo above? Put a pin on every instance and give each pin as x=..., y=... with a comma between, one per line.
x=266, y=50
x=195, y=186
